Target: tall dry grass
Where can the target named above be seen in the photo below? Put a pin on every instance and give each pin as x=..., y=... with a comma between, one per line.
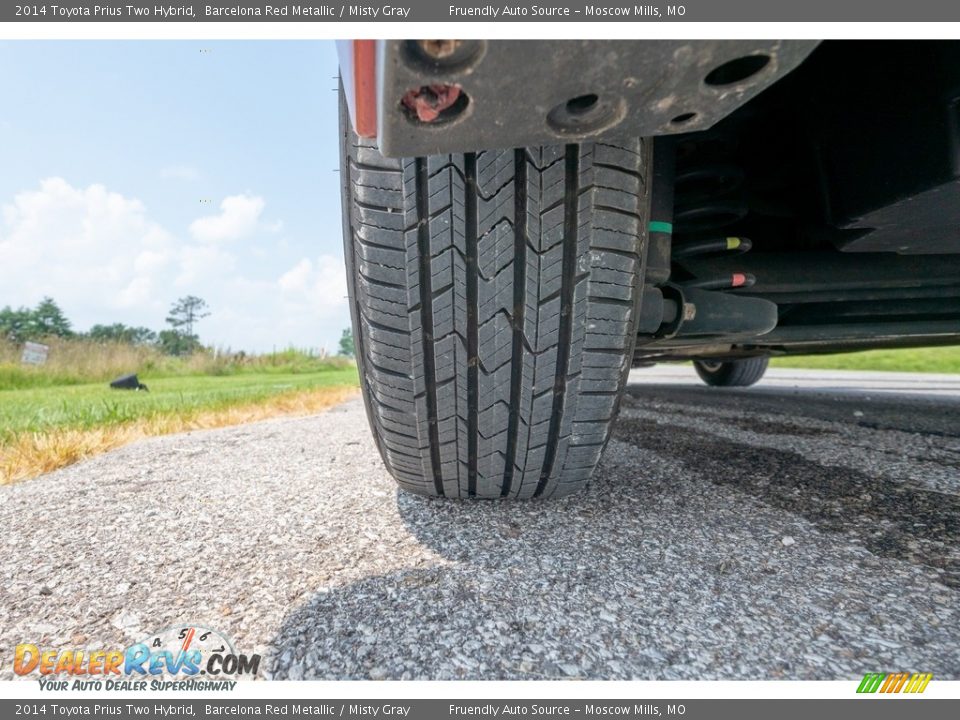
x=73, y=361
x=76, y=361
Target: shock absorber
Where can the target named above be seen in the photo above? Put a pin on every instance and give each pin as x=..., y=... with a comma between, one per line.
x=654, y=308
x=690, y=209
x=661, y=212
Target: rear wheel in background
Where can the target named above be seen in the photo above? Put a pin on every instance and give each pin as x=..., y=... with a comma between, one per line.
x=731, y=373
x=494, y=299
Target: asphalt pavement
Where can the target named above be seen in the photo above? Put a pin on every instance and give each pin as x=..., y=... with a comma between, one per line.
x=806, y=528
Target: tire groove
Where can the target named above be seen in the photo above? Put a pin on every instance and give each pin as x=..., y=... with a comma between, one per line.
x=426, y=318
x=367, y=167
x=470, y=203
x=615, y=210
x=570, y=223
x=373, y=207
x=619, y=169
x=381, y=283
x=517, y=317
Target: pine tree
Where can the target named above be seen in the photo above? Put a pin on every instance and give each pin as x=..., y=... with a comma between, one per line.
x=346, y=343
x=15, y=325
x=48, y=319
x=185, y=312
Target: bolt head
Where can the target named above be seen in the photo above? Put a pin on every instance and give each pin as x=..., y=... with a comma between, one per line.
x=439, y=49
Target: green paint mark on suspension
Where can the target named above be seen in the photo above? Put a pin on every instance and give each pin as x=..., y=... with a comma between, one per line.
x=661, y=227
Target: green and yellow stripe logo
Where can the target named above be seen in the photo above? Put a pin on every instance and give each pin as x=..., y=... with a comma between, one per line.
x=894, y=682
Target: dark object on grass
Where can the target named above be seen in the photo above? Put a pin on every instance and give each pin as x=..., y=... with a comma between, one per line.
x=128, y=382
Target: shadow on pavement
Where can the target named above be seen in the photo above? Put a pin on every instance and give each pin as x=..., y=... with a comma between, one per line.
x=909, y=412
x=669, y=566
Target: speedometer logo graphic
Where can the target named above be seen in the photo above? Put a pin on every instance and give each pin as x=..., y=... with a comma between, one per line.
x=185, y=638
x=197, y=650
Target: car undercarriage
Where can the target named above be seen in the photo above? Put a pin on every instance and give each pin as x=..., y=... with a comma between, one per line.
x=526, y=220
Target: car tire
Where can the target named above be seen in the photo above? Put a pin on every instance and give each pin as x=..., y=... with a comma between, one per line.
x=494, y=298
x=731, y=373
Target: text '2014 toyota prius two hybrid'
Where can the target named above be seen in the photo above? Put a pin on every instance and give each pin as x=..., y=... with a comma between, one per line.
x=527, y=220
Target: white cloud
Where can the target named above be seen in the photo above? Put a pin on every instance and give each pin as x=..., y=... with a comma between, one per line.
x=83, y=246
x=137, y=293
x=150, y=261
x=297, y=278
x=202, y=265
x=104, y=259
x=318, y=287
x=239, y=217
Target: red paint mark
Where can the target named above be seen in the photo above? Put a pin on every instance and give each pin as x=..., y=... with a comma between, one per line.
x=738, y=280
x=431, y=100
x=365, y=88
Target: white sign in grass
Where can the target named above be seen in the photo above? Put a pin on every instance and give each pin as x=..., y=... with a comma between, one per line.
x=34, y=354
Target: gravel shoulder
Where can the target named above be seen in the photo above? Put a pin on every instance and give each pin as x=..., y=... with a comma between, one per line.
x=781, y=532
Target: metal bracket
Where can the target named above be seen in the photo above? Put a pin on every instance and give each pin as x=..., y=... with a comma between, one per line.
x=546, y=92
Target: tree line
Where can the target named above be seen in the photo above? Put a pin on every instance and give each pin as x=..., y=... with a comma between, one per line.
x=47, y=320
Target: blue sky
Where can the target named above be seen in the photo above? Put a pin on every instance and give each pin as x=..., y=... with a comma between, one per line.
x=136, y=172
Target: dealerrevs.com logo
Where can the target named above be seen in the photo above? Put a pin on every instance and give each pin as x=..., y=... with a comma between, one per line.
x=190, y=657
x=909, y=683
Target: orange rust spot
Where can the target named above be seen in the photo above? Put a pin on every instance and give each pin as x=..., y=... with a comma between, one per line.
x=429, y=101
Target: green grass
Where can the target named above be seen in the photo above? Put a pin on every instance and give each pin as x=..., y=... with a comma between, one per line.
x=931, y=359
x=92, y=405
x=65, y=411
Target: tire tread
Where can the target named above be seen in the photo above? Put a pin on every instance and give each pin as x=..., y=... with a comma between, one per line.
x=494, y=296
x=734, y=373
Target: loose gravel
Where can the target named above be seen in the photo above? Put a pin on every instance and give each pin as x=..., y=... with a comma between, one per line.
x=724, y=536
